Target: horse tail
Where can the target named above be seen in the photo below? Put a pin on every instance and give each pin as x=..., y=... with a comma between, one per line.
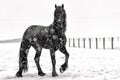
x=24, y=49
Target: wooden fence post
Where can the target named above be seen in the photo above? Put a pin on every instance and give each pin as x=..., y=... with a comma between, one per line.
x=73, y=42
x=104, y=43
x=84, y=42
x=112, y=44
x=69, y=42
x=118, y=38
x=96, y=39
x=78, y=42
x=90, y=43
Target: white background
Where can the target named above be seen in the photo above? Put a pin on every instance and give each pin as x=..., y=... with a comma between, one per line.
x=84, y=17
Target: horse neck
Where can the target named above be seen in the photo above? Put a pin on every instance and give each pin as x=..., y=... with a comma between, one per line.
x=59, y=27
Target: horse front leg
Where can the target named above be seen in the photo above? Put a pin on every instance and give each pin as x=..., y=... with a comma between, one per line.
x=37, y=59
x=65, y=65
x=52, y=53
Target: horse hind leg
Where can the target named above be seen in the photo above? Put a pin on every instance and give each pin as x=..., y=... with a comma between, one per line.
x=65, y=65
x=37, y=58
x=24, y=49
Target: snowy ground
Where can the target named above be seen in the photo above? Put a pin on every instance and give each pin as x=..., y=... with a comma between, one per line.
x=84, y=64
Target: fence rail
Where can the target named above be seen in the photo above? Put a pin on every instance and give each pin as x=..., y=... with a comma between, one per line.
x=96, y=43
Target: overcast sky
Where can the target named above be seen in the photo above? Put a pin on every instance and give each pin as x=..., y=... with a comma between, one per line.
x=84, y=17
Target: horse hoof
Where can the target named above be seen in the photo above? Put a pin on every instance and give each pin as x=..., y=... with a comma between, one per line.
x=19, y=74
x=41, y=73
x=54, y=74
x=62, y=69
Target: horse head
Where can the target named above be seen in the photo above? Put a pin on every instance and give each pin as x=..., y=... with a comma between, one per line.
x=59, y=14
x=60, y=17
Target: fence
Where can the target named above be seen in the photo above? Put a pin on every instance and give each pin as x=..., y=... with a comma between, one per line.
x=95, y=43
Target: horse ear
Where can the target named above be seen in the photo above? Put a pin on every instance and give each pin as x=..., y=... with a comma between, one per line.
x=62, y=5
x=55, y=6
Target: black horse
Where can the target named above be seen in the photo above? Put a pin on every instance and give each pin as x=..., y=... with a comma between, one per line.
x=50, y=37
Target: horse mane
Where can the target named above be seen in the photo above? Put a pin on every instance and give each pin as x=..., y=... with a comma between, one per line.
x=64, y=22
